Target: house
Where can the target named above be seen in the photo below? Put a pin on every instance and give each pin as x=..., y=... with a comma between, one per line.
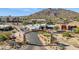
x=37, y=26
x=50, y=26
x=33, y=27
x=38, y=20
x=69, y=26
x=63, y=27
x=6, y=27
x=73, y=25
x=11, y=19
x=42, y=26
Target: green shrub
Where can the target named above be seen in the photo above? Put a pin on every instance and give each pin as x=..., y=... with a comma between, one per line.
x=76, y=30
x=77, y=19
x=13, y=31
x=56, y=28
x=66, y=34
x=49, y=23
x=3, y=37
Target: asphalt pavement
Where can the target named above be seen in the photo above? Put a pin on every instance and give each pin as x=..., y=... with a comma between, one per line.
x=32, y=37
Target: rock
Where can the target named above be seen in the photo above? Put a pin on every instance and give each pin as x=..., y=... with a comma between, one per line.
x=11, y=43
x=17, y=46
x=1, y=48
x=7, y=47
x=19, y=37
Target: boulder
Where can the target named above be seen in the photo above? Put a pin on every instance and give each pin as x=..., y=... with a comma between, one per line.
x=19, y=37
x=7, y=47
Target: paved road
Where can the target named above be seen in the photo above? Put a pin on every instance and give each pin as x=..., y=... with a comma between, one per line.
x=33, y=39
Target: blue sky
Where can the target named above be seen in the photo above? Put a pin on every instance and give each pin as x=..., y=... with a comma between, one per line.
x=24, y=11
x=73, y=9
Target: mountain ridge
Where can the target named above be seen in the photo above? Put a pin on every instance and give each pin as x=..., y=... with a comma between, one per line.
x=55, y=12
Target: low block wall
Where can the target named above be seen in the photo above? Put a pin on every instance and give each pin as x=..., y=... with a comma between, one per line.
x=44, y=39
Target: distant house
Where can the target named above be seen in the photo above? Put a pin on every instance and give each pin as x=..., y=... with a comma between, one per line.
x=2, y=19
x=69, y=26
x=12, y=19
x=50, y=26
x=6, y=27
x=32, y=27
x=73, y=25
x=64, y=26
x=38, y=20
x=39, y=26
x=35, y=26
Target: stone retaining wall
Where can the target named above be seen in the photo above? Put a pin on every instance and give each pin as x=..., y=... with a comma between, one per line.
x=44, y=39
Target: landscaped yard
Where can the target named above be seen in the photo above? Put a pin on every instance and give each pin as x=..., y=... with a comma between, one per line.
x=5, y=35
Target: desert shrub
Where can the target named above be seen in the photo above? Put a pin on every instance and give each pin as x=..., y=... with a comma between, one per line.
x=56, y=28
x=66, y=34
x=6, y=34
x=25, y=23
x=3, y=37
x=13, y=31
x=76, y=30
x=77, y=19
